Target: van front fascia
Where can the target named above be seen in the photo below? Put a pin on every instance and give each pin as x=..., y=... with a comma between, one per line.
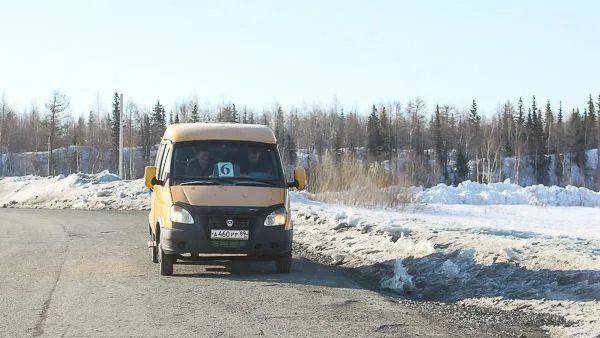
x=262, y=241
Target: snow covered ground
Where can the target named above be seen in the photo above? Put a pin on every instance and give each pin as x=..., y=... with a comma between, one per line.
x=76, y=191
x=505, y=193
x=543, y=259
x=499, y=245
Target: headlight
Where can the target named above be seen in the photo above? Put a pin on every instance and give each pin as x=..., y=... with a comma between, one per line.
x=276, y=218
x=181, y=215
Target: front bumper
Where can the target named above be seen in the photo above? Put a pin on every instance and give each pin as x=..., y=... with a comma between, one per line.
x=195, y=238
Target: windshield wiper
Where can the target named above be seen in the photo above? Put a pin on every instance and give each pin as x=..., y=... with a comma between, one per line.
x=231, y=181
x=253, y=182
x=201, y=182
x=250, y=179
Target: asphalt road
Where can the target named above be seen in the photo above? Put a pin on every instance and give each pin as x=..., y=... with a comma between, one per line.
x=67, y=273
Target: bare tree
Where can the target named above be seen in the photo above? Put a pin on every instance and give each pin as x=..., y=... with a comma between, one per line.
x=55, y=109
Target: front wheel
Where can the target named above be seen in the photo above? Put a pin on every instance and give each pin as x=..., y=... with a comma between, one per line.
x=153, y=249
x=284, y=263
x=166, y=262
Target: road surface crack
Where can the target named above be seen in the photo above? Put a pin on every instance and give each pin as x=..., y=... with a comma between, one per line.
x=38, y=329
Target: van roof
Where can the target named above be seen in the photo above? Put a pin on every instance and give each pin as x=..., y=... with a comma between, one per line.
x=181, y=132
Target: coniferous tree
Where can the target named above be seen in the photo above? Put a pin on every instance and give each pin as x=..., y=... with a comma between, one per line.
x=548, y=128
x=146, y=136
x=264, y=119
x=539, y=159
x=590, y=125
x=474, y=118
x=528, y=132
x=508, y=128
x=374, y=133
x=385, y=138
x=462, y=167
x=520, y=112
x=558, y=145
x=440, y=145
x=157, y=123
x=234, y=114
x=115, y=120
x=576, y=143
x=280, y=125
x=597, y=146
x=475, y=139
x=194, y=114
x=598, y=129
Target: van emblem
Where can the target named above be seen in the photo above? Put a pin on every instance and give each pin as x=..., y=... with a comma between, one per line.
x=229, y=223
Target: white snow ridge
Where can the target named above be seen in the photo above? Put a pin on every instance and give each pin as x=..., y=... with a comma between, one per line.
x=509, y=194
x=76, y=191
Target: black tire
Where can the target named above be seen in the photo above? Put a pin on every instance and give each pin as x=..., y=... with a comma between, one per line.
x=284, y=263
x=166, y=263
x=153, y=249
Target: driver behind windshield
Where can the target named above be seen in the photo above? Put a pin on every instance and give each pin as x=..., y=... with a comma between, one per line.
x=200, y=164
x=256, y=163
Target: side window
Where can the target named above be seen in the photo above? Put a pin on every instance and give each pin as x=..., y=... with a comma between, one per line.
x=165, y=167
x=159, y=154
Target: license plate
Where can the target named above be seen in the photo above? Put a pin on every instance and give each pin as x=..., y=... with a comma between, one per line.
x=229, y=234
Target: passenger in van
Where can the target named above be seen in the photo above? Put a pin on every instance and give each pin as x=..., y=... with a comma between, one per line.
x=256, y=162
x=200, y=164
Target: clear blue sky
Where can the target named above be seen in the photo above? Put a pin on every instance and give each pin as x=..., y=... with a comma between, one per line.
x=295, y=52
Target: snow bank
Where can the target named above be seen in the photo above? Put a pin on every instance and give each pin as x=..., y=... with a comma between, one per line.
x=510, y=194
x=542, y=259
x=76, y=191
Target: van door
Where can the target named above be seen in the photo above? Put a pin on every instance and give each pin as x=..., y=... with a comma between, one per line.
x=162, y=198
x=152, y=214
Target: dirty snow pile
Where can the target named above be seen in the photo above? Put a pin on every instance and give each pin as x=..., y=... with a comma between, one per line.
x=541, y=259
x=506, y=193
x=76, y=191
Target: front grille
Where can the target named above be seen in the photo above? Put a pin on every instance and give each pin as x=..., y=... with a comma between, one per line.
x=221, y=223
x=228, y=244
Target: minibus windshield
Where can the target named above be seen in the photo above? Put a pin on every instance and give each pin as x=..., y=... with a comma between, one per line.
x=226, y=162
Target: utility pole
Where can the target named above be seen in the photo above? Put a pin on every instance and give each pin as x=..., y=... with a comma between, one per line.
x=49, y=156
x=121, y=136
x=131, y=148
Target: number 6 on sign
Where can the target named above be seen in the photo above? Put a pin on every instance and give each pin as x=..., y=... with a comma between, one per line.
x=225, y=169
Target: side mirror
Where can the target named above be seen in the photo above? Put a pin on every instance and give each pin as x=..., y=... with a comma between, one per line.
x=299, y=179
x=150, y=176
